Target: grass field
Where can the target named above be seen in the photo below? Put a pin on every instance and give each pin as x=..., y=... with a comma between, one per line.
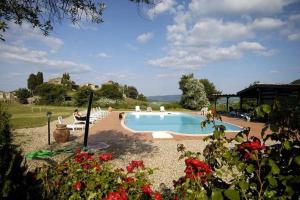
x=28, y=116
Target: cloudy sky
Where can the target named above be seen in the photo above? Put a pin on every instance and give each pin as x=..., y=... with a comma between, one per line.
x=230, y=42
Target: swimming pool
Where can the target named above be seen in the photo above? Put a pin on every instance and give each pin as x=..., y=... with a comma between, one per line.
x=181, y=123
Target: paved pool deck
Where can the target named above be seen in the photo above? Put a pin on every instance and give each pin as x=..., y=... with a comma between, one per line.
x=110, y=129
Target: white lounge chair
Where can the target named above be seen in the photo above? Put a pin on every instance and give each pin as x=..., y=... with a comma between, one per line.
x=71, y=126
x=149, y=109
x=137, y=109
x=162, y=109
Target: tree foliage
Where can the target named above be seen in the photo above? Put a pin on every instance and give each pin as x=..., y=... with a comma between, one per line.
x=66, y=81
x=131, y=92
x=31, y=82
x=82, y=95
x=193, y=93
x=141, y=97
x=209, y=88
x=111, y=91
x=44, y=13
x=34, y=80
x=51, y=93
x=23, y=94
x=39, y=78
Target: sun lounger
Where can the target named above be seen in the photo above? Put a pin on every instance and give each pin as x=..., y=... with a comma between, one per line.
x=137, y=109
x=71, y=126
x=149, y=109
x=162, y=109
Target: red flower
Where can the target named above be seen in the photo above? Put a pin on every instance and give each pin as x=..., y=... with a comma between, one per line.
x=123, y=193
x=78, y=158
x=86, y=166
x=128, y=180
x=157, y=196
x=77, y=185
x=254, y=145
x=146, y=189
x=138, y=163
x=105, y=156
x=130, y=168
x=113, y=196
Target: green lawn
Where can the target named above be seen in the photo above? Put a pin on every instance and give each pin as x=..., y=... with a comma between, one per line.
x=28, y=116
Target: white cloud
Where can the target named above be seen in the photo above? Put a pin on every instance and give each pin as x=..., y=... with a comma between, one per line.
x=161, y=7
x=237, y=7
x=22, y=55
x=197, y=57
x=266, y=23
x=145, y=37
x=103, y=55
x=294, y=36
x=19, y=35
x=295, y=17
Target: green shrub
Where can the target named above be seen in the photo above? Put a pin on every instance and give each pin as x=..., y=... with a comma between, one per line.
x=172, y=106
x=23, y=94
x=15, y=182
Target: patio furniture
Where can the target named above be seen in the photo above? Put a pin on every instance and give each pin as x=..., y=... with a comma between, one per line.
x=71, y=126
x=162, y=109
x=137, y=109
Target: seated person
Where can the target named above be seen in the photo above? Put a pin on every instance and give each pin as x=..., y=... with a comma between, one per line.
x=78, y=116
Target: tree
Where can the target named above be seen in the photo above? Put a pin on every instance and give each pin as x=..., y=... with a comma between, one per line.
x=111, y=91
x=82, y=95
x=23, y=94
x=66, y=81
x=193, y=93
x=296, y=81
x=44, y=13
x=209, y=88
x=51, y=93
x=39, y=78
x=131, y=92
x=31, y=83
x=141, y=97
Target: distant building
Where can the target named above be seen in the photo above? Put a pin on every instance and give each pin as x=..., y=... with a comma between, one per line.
x=7, y=96
x=91, y=85
x=56, y=81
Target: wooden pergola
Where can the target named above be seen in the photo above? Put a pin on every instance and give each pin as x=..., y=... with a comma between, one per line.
x=263, y=93
x=267, y=93
x=216, y=96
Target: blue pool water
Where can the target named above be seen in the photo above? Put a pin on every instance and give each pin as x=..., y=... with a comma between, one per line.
x=176, y=122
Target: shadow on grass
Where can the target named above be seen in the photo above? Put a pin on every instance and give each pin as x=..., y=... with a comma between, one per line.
x=120, y=144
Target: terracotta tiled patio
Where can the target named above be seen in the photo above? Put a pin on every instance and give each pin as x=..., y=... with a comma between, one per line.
x=110, y=129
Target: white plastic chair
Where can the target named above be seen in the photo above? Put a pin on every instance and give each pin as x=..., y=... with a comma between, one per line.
x=137, y=109
x=162, y=109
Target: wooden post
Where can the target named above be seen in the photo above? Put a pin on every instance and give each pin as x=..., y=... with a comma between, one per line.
x=241, y=103
x=216, y=103
x=87, y=122
x=227, y=98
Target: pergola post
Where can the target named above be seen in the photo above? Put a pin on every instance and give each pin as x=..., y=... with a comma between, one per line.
x=227, y=98
x=216, y=103
x=241, y=102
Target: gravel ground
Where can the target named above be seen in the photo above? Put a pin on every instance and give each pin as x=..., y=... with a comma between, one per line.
x=30, y=139
x=159, y=154
x=164, y=157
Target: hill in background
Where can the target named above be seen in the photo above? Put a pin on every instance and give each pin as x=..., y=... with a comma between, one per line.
x=165, y=98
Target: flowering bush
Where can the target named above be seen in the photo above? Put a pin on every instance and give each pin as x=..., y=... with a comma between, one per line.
x=245, y=166
x=88, y=176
